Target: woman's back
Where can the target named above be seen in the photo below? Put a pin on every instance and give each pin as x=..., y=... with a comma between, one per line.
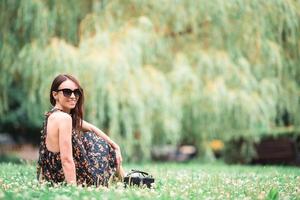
x=52, y=137
x=50, y=164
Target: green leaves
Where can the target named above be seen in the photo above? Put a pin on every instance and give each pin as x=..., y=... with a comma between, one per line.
x=273, y=194
x=156, y=73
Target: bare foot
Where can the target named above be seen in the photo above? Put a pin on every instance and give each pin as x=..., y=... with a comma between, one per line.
x=120, y=173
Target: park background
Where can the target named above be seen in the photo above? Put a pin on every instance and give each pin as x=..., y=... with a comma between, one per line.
x=217, y=75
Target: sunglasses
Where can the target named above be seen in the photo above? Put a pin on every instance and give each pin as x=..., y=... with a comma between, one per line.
x=68, y=92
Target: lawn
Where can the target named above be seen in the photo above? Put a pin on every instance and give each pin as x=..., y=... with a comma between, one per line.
x=173, y=181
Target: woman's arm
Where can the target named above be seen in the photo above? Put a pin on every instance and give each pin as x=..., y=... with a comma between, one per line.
x=90, y=127
x=65, y=147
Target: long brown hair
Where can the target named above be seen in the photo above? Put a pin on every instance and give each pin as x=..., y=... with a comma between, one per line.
x=77, y=112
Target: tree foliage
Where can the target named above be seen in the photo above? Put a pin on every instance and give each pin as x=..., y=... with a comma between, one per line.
x=156, y=72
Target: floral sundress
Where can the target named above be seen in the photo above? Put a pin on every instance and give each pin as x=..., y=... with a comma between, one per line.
x=94, y=158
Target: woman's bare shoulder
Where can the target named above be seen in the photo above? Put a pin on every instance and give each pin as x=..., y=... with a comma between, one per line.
x=59, y=116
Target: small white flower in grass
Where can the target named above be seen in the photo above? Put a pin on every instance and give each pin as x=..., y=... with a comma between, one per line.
x=173, y=194
x=102, y=188
x=76, y=193
x=120, y=185
x=119, y=191
x=104, y=198
x=62, y=197
x=86, y=198
x=1, y=194
x=153, y=185
x=89, y=189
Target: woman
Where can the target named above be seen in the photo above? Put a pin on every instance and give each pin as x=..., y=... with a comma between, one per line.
x=73, y=150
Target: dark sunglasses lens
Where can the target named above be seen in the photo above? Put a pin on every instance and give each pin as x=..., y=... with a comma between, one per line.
x=67, y=92
x=77, y=93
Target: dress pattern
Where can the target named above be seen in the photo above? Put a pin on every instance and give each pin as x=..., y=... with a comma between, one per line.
x=94, y=158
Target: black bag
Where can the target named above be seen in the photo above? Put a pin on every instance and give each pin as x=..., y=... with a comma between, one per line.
x=138, y=178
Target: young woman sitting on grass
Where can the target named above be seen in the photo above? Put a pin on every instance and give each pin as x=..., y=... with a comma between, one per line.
x=71, y=149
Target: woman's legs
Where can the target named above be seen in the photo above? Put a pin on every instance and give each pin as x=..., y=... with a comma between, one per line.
x=102, y=157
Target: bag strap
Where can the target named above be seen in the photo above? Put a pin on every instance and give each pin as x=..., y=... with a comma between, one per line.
x=145, y=174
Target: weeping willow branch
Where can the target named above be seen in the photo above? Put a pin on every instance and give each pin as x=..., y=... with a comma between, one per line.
x=156, y=73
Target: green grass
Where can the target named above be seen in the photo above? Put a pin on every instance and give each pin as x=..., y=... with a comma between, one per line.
x=173, y=181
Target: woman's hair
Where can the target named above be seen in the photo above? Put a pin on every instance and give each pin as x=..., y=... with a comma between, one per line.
x=77, y=112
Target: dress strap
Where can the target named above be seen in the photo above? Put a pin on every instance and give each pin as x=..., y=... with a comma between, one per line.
x=55, y=109
x=47, y=114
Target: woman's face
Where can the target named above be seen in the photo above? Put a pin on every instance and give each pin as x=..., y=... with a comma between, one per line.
x=65, y=98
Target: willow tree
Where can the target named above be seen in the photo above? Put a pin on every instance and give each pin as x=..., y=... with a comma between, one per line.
x=156, y=72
